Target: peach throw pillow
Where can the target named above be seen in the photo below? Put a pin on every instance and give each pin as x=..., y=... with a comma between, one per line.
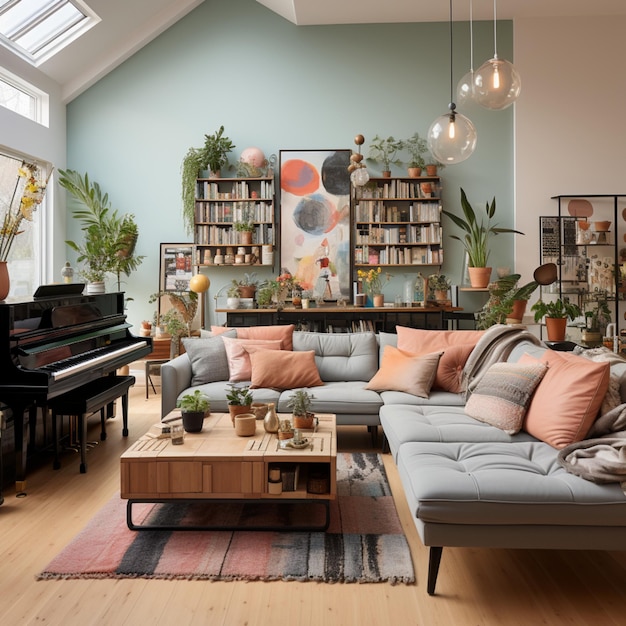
x=568, y=399
x=239, y=365
x=402, y=371
x=456, y=344
x=283, y=369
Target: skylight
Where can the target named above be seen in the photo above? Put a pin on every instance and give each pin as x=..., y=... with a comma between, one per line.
x=38, y=29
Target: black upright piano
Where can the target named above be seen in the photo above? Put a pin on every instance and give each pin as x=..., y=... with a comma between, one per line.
x=53, y=344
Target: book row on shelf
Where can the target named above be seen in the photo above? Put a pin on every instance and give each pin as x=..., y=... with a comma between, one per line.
x=218, y=235
x=426, y=234
x=401, y=189
x=229, y=212
x=380, y=212
x=239, y=190
x=355, y=326
x=397, y=255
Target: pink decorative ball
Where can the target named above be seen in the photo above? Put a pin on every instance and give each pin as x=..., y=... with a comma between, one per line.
x=253, y=156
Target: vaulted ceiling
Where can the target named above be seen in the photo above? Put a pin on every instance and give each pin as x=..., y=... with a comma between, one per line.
x=127, y=25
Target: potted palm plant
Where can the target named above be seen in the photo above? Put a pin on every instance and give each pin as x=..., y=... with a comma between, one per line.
x=108, y=238
x=384, y=151
x=476, y=239
x=556, y=314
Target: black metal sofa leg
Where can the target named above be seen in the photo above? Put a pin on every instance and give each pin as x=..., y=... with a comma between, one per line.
x=434, y=559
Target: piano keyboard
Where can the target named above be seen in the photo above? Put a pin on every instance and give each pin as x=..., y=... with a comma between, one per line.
x=73, y=365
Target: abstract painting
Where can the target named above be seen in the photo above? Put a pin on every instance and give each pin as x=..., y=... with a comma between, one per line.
x=315, y=239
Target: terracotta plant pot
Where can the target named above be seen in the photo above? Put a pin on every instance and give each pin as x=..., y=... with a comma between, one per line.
x=300, y=421
x=247, y=291
x=246, y=237
x=517, y=312
x=378, y=299
x=415, y=172
x=555, y=326
x=237, y=409
x=479, y=277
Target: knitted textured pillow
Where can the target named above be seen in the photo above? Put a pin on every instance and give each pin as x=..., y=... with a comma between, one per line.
x=503, y=394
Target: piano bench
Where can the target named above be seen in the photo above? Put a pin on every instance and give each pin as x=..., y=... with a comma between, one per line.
x=85, y=400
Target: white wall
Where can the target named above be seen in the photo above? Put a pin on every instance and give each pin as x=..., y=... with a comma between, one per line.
x=29, y=139
x=570, y=123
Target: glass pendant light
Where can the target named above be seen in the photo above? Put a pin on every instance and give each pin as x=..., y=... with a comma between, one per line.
x=497, y=84
x=465, y=87
x=452, y=136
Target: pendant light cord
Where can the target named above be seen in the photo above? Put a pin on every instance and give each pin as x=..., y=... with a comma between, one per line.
x=495, y=33
x=452, y=106
x=471, y=35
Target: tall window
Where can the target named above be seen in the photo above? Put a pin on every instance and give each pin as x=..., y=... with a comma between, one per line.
x=25, y=260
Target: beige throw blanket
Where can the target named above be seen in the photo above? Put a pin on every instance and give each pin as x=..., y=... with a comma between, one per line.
x=601, y=458
x=494, y=346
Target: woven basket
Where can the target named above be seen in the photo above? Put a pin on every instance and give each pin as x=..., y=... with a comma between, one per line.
x=245, y=424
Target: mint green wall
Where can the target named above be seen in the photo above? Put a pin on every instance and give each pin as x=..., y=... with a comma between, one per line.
x=278, y=86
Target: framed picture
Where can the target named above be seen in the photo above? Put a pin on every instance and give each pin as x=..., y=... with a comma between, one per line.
x=315, y=230
x=176, y=266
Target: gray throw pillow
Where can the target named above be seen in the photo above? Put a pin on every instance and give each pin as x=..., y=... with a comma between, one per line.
x=209, y=363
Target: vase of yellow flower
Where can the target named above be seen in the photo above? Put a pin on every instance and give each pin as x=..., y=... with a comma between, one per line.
x=372, y=284
x=27, y=194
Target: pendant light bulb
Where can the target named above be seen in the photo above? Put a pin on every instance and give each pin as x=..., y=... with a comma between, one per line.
x=497, y=83
x=452, y=138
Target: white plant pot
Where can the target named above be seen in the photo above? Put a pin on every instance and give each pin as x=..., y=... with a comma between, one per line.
x=232, y=303
x=95, y=288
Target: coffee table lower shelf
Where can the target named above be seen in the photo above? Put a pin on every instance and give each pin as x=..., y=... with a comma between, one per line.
x=282, y=528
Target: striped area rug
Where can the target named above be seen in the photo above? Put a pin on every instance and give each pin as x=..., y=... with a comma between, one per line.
x=364, y=542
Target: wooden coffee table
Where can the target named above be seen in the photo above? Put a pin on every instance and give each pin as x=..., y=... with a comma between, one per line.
x=216, y=465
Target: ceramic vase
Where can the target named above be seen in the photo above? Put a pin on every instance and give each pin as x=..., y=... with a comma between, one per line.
x=270, y=421
x=5, y=281
x=378, y=299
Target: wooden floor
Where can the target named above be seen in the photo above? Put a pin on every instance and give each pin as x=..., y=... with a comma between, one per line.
x=476, y=586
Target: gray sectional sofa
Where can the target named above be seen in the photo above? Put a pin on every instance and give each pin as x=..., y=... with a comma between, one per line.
x=467, y=483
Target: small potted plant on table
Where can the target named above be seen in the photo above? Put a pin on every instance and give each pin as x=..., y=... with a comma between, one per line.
x=239, y=401
x=194, y=408
x=300, y=404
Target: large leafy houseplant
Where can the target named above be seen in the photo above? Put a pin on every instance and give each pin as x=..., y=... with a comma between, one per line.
x=213, y=156
x=477, y=233
x=109, y=238
x=384, y=151
x=559, y=309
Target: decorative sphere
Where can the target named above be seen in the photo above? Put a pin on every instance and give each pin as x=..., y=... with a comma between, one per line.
x=360, y=177
x=359, y=140
x=253, y=156
x=497, y=84
x=199, y=283
x=450, y=147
